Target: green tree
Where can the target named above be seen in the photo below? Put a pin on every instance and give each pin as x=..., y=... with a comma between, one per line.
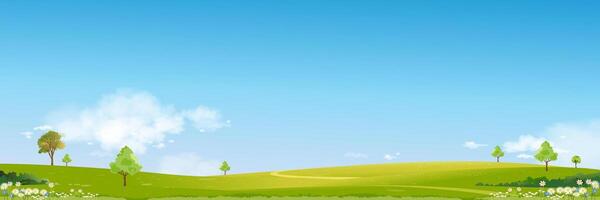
x=49, y=143
x=126, y=164
x=546, y=154
x=498, y=153
x=67, y=159
x=576, y=160
x=225, y=167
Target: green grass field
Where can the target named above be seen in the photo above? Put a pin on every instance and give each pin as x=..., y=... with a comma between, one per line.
x=426, y=179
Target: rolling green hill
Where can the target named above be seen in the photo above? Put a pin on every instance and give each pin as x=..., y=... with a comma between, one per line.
x=445, y=179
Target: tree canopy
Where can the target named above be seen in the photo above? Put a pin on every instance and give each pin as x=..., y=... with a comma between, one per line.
x=498, y=153
x=225, y=167
x=125, y=164
x=49, y=143
x=546, y=154
x=66, y=159
x=576, y=160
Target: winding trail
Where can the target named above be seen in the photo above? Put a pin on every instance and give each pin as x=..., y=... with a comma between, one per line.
x=278, y=174
x=454, y=189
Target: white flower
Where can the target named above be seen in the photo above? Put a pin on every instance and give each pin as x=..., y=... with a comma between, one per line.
x=15, y=191
x=588, y=181
x=72, y=190
x=582, y=190
x=579, y=182
x=50, y=185
x=509, y=189
x=551, y=191
x=595, y=185
x=28, y=191
x=35, y=191
x=43, y=192
x=542, y=183
x=576, y=194
x=518, y=189
x=3, y=186
x=568, y=190
x=20, y=195
x=80, y=191
x=560, y=190
x=18, y=184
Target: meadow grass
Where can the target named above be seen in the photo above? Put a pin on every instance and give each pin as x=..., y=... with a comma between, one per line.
x=429, y=179
x=306, y=198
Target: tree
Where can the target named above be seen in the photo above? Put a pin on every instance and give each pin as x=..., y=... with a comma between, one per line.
x=225, y=167
x=67, y=159
x=546, y=154
x=576, y=160
x=497, y=153
x=49, y=143
x=126, y=164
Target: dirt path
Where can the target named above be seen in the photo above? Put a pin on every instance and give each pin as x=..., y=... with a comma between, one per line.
x=473, y=191
x=277, y=174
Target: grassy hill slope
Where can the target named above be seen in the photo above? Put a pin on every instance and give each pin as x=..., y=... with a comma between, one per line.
x=447, y=179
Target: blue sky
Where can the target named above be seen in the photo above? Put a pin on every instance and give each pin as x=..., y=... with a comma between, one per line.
x=306, y=83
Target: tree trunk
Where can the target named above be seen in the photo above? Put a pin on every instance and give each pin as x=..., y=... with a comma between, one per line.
x=224, y=172
x=575, y=165
x=124, y=180
x=498, y=159
x=51, y=154
x=546, y=165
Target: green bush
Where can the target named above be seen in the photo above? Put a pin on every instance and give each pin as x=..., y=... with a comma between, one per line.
x=24, y=178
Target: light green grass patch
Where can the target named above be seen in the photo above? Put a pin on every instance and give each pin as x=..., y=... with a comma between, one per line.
x=306, y=198
x=428, y=179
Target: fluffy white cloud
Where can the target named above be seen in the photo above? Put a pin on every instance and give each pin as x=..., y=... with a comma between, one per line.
x=356, y=155
x=189, y=164
x=206, y=119
x=473, y=145
x=567, y=139
x=524, y=156
x=27, y=134
x=136, y=119
x=391, y=156
x=576, y=138
x=44, y=127
x=525, y=143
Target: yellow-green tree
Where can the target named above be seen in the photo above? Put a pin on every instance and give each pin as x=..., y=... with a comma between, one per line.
x=546, y=154
x=67, y=159
x=49, y=143
x=126, y=164
x=576, y=160
x=225, y=167
x=497, y=153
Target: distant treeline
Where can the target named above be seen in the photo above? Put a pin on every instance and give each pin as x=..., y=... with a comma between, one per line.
x=570, y=181
x=23, y=178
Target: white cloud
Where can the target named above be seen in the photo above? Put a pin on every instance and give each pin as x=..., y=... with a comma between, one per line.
x=473, y=145
x=206, y=119
x=525, y=143
x=578, y=138
x=160, y=145
x=356, y=155
x=27, y=134
x=390, y=156
x=132, y=118
x=44, y=127
x=567, y=139
x=524, y=156
x=189, y=164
